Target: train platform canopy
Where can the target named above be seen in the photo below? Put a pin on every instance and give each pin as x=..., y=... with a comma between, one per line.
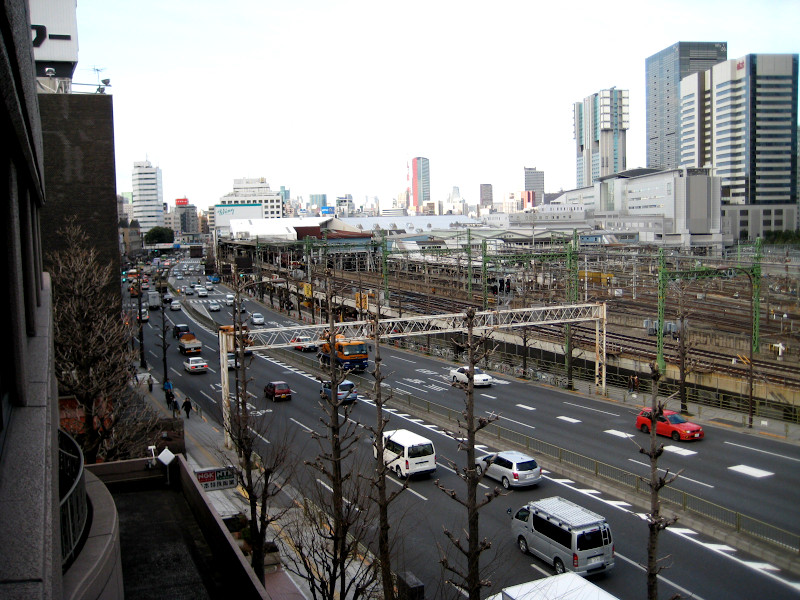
x=289, y=229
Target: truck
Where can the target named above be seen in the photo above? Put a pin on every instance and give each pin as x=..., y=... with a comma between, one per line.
x=153, y=300
x=350, y=355
x=189, y=344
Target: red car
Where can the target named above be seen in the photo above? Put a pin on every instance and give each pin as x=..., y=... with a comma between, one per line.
x=277, y=390
x=672, y=425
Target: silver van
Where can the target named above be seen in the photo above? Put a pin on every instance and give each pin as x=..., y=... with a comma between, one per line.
x=565, y=535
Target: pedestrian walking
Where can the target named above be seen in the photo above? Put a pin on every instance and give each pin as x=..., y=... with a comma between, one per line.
x=150, y=383
x=630, y=384
x=187, y=406
x=176, y=408
x=636, y=384
x=168, y=394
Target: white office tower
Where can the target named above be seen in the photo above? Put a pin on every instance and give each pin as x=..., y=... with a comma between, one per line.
x=739, y=118
x=148, y=196
x=255, y=192
x=601, y=125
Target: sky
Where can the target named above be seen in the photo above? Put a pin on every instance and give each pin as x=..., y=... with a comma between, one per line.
x=336, y=97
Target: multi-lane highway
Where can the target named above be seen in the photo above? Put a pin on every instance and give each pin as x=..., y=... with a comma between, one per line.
x=756, y=476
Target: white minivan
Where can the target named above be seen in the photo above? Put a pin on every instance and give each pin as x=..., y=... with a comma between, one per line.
x=229, y=299
x=407, y=453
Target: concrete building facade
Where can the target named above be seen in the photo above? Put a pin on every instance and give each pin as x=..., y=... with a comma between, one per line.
x=601, y=124
x=739, y=118
x=148, y=196
x=255, y=191
x=534, y=182
x=420, y=183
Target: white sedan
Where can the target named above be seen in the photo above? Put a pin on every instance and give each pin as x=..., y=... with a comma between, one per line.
x=480, y=378
x=195, y=364
x=257, y=319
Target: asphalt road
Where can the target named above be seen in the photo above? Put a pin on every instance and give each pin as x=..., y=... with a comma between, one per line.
x=748, y=474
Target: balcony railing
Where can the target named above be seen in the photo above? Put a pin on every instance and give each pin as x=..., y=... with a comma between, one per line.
x=72, y=494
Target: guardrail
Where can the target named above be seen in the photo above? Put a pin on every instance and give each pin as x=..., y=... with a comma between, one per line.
x=689, y=503
x=73, y=506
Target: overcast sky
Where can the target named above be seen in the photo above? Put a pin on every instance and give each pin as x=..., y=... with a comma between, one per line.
x=336, y=97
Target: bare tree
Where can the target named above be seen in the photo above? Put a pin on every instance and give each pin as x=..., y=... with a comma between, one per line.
x=93, y=354
x=260, y=472
x=329, y=541
x=656, y=522
x=138, y=426
x=378, y=490
x=467, y=578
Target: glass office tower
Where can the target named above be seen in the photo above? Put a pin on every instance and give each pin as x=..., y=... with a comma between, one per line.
x=664, y=71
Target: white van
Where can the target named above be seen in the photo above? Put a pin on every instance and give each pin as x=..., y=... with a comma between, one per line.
x=229, y=299
x=565, y=535
x=407, y=453
x=555, y=587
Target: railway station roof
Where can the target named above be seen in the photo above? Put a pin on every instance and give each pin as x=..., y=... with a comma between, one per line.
x=289, y=229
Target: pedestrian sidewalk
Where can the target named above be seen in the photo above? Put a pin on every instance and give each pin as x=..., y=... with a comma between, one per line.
x=204, y=439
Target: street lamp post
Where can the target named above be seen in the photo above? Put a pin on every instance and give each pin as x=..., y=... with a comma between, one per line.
x=142, y=360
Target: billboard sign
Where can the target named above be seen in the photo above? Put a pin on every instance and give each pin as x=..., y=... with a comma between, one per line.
x=216, y=478
x=54, y=28
x=224, y=213
x=181, y=202
x=327, y=210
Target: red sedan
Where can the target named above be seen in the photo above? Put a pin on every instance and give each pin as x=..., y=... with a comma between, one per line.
x=671, y=424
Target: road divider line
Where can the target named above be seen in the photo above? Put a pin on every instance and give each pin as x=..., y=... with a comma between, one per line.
x=763, y=451
x=605, y=412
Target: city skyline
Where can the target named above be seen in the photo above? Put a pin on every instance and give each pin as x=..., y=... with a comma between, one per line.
x=316, y=97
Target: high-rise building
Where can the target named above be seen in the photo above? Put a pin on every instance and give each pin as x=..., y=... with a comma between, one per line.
x=601, y=125
x=534, y=182
x=664, y=71
x=487, y=196
x=740, y=119
x=420, y=183
x=187, y=216
x=255, y=191
x=148, y=196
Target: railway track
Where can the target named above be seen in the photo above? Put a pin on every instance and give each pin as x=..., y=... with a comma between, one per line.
x=730, y=317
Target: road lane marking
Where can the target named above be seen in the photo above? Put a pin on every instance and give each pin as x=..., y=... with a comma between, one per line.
x=408, y=489
x=763, y=451
x=207, y=396
x=681, y=589
x=525, y=407
x=679, y=450
x=620, y=434
x=753, y=565
x=493, y=414
x=424, y=391
x=568, y=419
x=403, y=359
x=751, y=471
x=605, y=412
x=454, y=472
x=296, y=422
x=682, y=477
